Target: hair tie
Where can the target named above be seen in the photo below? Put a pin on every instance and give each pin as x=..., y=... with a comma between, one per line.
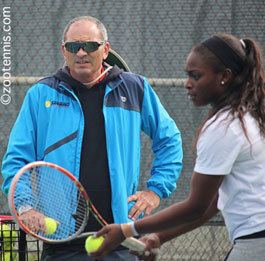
x=243, y=43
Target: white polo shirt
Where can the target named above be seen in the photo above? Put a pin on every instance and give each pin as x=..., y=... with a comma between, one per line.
x=223, y=149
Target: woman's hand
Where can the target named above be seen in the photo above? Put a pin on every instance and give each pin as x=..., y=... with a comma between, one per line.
x=153, y=244
x=113, y=238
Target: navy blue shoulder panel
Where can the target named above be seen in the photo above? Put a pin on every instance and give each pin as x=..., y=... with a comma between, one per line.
x=54, y=83
x=128, y=92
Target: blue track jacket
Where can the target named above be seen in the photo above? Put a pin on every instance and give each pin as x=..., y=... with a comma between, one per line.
x=50, y=127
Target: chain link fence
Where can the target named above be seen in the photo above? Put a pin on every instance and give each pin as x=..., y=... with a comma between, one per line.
x=154, y=38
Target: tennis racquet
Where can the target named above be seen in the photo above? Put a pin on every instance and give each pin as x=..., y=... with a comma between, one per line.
x=49, y=190
x=115, y=59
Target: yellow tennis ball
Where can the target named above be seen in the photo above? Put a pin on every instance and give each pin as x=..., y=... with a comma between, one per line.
x=93, y=244
x=51, y=226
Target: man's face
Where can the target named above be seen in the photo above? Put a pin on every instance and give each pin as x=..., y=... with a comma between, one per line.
x=85, y=66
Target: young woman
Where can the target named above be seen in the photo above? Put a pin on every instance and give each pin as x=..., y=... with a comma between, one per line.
x=229, y=172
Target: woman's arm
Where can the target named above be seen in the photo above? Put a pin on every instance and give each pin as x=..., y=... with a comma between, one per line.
x=186, y=227
x=203, y=191
x=176, y=219
x=155, y=240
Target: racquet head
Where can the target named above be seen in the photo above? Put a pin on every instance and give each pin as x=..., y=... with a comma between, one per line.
x=41, y=189
x=115, y=59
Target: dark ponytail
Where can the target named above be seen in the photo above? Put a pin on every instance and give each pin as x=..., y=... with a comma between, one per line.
x=253, y=93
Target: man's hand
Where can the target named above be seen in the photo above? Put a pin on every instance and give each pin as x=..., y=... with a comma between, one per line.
x=34, y=220
x=145, y=201
x=153, y=244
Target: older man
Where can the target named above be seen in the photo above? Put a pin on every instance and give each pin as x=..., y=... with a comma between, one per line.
x=88, y=118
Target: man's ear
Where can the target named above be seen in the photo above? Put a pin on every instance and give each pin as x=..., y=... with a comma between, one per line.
x=63, y=50
x=106, y=50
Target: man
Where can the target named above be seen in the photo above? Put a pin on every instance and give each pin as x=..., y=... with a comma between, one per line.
x=88, y=118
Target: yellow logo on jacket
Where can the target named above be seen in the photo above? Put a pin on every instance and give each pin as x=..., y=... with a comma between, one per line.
x=48, y=104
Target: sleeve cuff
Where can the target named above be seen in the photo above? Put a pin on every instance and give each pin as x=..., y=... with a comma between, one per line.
x=156, y=190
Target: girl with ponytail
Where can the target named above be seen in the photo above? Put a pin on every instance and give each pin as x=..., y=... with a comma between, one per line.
x=226, y=73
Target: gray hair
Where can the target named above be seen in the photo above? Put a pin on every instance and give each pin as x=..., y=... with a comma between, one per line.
x=101, y=27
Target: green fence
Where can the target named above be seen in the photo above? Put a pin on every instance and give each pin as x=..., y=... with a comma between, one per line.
x=154, y=37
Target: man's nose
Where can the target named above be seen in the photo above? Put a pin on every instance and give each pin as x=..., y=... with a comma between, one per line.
x=81, y=52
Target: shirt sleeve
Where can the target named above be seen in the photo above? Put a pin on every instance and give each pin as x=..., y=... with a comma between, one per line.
x=218, y=147
x=21, y=146
x=166, y=144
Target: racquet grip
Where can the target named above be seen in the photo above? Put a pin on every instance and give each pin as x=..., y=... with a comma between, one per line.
x=134, y=244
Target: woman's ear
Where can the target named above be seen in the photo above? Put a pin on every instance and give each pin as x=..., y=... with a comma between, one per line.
x=227, y=77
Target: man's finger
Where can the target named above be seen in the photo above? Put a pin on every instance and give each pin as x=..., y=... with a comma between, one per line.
x=132, y=198
x=149, y=210
x=138, y=212
x=137, y=209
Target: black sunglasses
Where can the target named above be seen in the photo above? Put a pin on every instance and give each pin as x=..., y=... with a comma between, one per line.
x=74, y=47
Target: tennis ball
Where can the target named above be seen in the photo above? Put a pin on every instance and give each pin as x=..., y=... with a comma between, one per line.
x=51, y=226
x=93, y=244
